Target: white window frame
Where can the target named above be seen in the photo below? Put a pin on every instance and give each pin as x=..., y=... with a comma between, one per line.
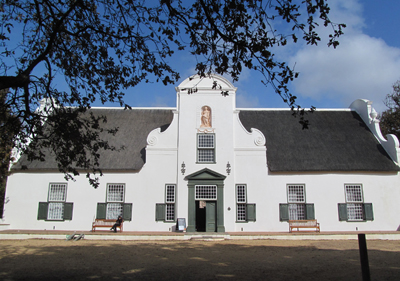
x=205, y=192
x=113, y=197
x=56, y=199
x=297, y=203
x=115, y=204
x=202, y=148
x=241, y=202
x=354, y=202
x=170, y=198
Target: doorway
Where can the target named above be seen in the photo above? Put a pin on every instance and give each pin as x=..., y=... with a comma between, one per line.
x=205, y=186
x=206, y=216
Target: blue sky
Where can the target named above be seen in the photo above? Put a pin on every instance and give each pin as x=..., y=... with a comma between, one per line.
x=364, y=65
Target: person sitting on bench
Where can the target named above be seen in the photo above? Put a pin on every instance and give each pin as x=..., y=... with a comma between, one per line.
x=117, y=223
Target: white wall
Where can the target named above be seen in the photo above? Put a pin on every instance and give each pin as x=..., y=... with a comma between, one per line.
x=246, y=153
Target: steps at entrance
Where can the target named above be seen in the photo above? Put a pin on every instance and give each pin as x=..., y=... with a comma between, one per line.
x=209, y=237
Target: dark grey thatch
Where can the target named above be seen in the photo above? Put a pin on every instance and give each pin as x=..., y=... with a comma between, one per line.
x=133, y=128
x=335, y=141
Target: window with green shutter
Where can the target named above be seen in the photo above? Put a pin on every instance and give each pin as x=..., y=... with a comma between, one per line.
x=355, y=209
x=166, y=211
x=56, y=209
x=115, y=204
x=296, y=207
x=245, y=212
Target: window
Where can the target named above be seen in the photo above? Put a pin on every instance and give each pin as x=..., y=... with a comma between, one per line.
x=355, y=209
x=354, y=202
x=296, y=200
x=205, y=192
x=244, y=212
x=56, y=208
x=115, y=204
x=296, y=207
x=166, y=211
x=56, y=198
x=115, y=200
x=206, y=148
x=170, y=202
x=241, y=203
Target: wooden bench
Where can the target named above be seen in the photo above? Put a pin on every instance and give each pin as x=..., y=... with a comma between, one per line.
x=105, y=223
x=303, y=224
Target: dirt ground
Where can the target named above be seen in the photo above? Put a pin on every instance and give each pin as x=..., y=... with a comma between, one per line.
x=195, y=260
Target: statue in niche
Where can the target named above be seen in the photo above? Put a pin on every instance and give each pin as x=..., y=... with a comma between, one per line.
x=205, y=117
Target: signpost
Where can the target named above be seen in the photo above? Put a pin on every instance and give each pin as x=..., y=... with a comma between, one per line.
x=181, y=224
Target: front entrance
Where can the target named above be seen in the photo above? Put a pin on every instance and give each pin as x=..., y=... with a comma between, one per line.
x=205, y=201
x=206, y=216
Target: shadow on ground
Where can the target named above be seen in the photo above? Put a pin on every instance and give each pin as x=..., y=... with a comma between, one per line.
x=195, y=260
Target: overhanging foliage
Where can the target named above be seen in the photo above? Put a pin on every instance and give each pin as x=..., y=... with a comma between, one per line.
x=101, y=48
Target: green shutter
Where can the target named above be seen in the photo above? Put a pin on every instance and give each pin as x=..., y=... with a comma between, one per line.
x=68, y=207
x=160, y=212
x=251, y=212
x=342, y=209
x=310, y=213
x=369, y=214
x=127, y=212
x=42, y=211
x=283, y=212
x=101, y=210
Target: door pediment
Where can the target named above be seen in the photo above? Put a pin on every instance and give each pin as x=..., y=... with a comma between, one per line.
x=205, y=174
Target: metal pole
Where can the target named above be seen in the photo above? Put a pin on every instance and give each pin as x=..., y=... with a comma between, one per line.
x=362, y=244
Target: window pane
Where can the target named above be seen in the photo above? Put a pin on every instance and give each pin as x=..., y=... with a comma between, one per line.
x=115, y=193
x=170, y=212
x=296, y=193
x=113, y=211
x=241, y=193
x=57, y=192
x=297, y=212
x=206, y=192
x=55, y=211
x=353, y=193
x=355, y=211
x=206, y=155
x=170, y=194
x=241, y=212
x=206, y=141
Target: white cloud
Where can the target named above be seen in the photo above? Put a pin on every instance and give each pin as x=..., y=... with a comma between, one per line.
x=361, y=67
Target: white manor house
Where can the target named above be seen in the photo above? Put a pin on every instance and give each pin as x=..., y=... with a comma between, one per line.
x=222, y=169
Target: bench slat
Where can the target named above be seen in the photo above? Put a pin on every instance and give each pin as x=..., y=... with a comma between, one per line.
x=104, y=223
x=303, y=224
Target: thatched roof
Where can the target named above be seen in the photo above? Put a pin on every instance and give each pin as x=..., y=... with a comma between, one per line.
x=335, y=141
x=133, y=128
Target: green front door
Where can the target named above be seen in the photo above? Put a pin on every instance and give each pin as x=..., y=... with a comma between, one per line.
x=211, y=216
